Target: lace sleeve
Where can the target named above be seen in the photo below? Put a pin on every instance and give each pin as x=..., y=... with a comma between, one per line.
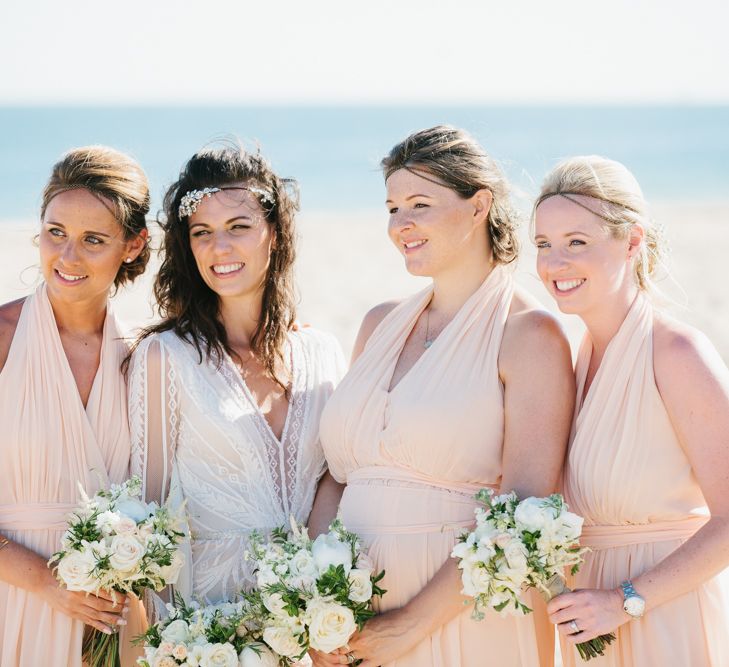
x=153, y=417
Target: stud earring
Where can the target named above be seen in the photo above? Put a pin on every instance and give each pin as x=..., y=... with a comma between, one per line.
x=128, y=260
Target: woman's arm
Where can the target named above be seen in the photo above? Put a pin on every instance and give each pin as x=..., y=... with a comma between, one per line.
x=536, y=370
x=694, y=384
x=326, y=502
x=25, y=569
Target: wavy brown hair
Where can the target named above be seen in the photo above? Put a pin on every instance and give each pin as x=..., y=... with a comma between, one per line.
x=455, y=159
x=118, y=182
x=186, y=304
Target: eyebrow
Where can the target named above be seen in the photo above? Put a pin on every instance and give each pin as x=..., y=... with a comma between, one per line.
x=227, y=222
x=389, y=201
x=88, y=231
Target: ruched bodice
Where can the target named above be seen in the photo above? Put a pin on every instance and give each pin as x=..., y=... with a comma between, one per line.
x=631, y=479
x=49, y=445
x=413, y=457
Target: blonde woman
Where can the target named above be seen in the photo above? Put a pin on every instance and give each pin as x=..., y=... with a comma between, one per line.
x=63, y=399
x=648, y=462
x=465, y=385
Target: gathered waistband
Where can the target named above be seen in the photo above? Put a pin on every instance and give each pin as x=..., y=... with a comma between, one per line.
x=35, y=516
x=608, y=537
x=397, y=474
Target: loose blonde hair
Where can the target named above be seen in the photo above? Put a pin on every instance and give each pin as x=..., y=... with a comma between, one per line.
x=114, y=178
x=619, y=202
x=457, y=160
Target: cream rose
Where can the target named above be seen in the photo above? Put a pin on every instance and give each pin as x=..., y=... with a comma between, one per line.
x=257, y=655
x=219, y=655
x=164, y=661
x=179, y=652
x=126, y=552
x=360, y=585
x=170, y=573
x=330, y=625
x=282, y=640
x=75, y=570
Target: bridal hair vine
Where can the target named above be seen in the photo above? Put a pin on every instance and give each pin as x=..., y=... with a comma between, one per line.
x=192, y=198
x=189, y=203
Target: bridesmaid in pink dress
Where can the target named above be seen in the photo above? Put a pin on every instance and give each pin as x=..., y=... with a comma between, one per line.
x=465, y=385
x=648, y=462
x=63, y=400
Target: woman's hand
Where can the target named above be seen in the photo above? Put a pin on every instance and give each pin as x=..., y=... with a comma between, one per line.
x=98, y=610
x=594, y=612
x=383, y=639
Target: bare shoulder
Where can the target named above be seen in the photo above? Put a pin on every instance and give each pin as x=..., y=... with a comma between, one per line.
x=530, y=325
x=9, y=316
x=683, y=356
x=371, y=321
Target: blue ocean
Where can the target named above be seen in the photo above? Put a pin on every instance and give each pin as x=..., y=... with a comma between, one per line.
x=677, y=153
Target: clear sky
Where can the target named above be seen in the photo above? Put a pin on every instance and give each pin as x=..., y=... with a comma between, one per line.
x=386, y=52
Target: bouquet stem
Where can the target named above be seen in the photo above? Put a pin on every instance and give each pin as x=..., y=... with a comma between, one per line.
x=589, y=649
x=100, y=649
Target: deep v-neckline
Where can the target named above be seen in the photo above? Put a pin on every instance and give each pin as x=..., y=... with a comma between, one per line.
x=389, y=388
x=233, y=372
x=67, y=364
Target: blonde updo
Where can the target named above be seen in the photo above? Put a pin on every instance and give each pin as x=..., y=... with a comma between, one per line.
x=458, y=161
x=618, y=201
x=114, y=177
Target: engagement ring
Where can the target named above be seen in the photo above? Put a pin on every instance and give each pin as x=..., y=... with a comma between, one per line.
x=575, y=628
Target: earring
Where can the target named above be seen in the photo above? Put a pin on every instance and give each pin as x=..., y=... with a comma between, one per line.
x=128, y=260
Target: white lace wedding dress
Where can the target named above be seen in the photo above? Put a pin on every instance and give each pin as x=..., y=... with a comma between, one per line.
x=199, y=437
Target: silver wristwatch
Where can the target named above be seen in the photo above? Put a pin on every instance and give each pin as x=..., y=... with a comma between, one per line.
x=633, y=604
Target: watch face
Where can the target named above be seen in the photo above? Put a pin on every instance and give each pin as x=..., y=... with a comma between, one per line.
x=634, y=605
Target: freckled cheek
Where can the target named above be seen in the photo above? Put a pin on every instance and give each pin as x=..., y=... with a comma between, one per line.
x=542, y=268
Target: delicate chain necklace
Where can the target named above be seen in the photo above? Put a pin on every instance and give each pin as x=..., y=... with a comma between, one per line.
x=428, y=340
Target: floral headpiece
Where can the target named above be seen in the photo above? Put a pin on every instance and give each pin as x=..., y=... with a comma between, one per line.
x=192, y=198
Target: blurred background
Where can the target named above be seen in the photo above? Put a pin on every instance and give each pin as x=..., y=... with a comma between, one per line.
x=326, y=88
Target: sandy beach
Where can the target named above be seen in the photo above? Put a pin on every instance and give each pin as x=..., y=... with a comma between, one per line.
x=347, y=265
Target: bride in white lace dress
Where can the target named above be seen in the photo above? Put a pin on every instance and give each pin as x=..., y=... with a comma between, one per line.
x=225, y=392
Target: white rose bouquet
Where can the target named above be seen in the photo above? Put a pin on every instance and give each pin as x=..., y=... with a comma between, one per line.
x=222, y=635
x=518, y=545
x=116, y=542
x=316, y=594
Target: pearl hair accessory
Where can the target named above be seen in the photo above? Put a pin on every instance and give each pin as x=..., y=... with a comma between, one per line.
x=192, y=198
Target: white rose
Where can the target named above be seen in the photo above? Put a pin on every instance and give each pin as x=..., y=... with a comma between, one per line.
x=170, y=573
x=126, y=552
x=133, y=508
x=516, y=556
x=75, y=570
x=302, y=563
x=282, y=641
x=257, y=655
x=219, y=655
x=328, y=550
x=360, y=585
x=330, y=625
x=475, y=579
x=275, y=604
x=531, y=515
x=176, y=632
